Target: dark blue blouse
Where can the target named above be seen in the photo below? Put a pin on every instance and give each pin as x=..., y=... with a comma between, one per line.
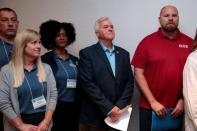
x=65, y=70
x=30, y=89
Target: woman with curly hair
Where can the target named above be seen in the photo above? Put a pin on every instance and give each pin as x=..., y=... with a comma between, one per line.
x=56, y=36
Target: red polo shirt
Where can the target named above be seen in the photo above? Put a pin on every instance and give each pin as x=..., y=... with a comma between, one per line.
x=163, y=60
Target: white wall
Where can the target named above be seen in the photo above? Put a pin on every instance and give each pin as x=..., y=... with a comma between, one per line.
x=133, y=19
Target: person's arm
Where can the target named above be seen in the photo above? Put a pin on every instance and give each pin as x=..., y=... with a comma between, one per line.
x=18, y=123
x=190, y=89
x=52, y=99
x=115, y=114
x=51, y=89
x=144, y=88
x=179, y=108
x=44, y=124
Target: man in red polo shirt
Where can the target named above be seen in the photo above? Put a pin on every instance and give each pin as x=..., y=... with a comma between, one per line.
x=158, y=64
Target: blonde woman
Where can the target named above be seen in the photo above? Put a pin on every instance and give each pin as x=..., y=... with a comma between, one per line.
x=190, y=89
x=28, y=92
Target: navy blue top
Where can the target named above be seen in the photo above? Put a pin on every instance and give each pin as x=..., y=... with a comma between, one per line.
x=66, y=69
x=5, y=52
x=24, y=92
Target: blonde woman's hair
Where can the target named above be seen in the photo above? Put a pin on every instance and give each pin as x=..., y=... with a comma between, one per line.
x=98, y=23
x=17, y=61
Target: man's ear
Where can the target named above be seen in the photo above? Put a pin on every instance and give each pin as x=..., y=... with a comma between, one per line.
x=97, y=33
x=159, y=19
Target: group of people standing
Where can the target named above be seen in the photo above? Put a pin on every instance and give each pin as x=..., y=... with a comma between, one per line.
x=59, y=92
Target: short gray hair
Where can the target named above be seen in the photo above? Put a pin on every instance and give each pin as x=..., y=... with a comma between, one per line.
x=98, y=22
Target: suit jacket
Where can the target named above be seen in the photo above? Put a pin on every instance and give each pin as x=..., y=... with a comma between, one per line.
x=101, y=90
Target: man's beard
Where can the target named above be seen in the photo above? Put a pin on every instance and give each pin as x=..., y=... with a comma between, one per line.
x=10, y=36
x=170, y=29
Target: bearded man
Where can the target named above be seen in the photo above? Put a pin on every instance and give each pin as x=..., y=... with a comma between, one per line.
x=158, y=65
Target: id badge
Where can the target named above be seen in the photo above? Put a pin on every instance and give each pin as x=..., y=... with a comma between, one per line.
x=39, y=102
x=71, y=83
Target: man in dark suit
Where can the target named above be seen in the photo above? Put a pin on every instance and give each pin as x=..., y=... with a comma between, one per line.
x=106, y=79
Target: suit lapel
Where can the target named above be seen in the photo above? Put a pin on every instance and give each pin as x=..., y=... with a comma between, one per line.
x=118, y=62
x=104, y=58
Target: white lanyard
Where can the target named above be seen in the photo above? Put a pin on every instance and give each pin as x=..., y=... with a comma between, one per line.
x=38, y=101
x=31, y=90
x=74, y=68
x=5, y=51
